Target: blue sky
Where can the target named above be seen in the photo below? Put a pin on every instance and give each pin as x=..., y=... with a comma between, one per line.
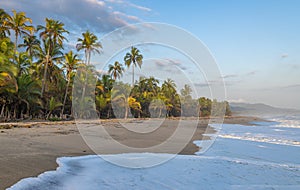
x=256, y=43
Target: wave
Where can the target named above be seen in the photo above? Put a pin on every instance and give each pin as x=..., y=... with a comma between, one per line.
x=252, y=162
x=288, y=124
x=262, y=139
x=182, y=172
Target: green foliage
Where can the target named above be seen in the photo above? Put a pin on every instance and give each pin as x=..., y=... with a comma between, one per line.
x=36, y=79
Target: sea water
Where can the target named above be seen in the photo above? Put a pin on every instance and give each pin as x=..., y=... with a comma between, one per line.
x=261, y=156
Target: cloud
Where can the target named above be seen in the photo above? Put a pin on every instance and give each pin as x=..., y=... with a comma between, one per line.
x=229, y=76
x=167, y=64
x=251, y=73
x=240, y=100
x=79, y=15
x=128, y=4
x=209, y=83
x=102, y=72
x=284, y=55
x=127, y=17
x=201, y=84
x=292, y=86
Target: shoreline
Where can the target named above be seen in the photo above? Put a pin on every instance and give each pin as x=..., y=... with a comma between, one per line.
x=31, y=148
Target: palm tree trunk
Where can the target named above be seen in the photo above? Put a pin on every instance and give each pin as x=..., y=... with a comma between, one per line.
x=48, y=115
x=45, y=73
x=126, y=112
x=44, y=78
x=2, y=110
x=88, y=57
x=65, y=98
x=132, y=75
x=160, y=109
x=16, y=42
x=15, y=112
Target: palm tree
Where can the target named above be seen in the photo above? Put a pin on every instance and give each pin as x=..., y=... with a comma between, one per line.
x=116, y=70
x=52, y=34
x=89, y=43
x=171, y=97
x=23, y=63
x=120, y=95
x=46, y=59
x=71, y=63
x=32, y=44
x=54, y=30
x=28, y=91
x=18, y=23
x=186, y=92
x=8, y=70
x=53, y=104
x=3, y=28
x=133, y=57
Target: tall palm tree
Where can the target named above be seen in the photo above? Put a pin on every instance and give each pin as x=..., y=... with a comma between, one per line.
x=47, y=59
x=89, y=43
x=133, y=57
x=70, y=64
x=116, y=70
x=53, y=34
x=18, y=23
x=3, y=19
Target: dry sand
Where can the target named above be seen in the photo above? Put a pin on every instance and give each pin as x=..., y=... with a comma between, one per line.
x=31, y=148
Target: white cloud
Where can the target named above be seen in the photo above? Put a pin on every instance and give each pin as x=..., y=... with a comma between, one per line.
x=126, y=3
x=240, y=100
x=78, y=15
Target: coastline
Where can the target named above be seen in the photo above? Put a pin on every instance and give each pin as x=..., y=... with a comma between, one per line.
x=31, y=148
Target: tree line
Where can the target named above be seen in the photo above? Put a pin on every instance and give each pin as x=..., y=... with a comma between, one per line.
x=37, y=73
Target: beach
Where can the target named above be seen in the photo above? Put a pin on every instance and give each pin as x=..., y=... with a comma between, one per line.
x=29, y=149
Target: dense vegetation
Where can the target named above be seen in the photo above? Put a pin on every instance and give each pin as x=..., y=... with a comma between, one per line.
x=37, y=73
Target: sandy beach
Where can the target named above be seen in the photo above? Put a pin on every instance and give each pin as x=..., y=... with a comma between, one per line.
x=28, y=149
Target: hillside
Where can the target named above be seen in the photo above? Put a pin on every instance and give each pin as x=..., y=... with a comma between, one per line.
x=259, y=109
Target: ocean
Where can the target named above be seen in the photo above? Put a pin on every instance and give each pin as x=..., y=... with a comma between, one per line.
x=261, y=156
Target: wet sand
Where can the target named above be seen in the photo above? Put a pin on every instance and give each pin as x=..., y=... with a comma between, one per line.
x=28, y=149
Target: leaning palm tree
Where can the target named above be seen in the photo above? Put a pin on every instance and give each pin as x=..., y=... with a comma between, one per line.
x=47, y=59
x=18, y=23
x=89, y=43
x=70, y=64
x=116, y=70
x=53, y=35
x=133, y=57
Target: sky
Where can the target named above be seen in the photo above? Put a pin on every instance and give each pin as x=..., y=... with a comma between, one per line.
x=255, y=43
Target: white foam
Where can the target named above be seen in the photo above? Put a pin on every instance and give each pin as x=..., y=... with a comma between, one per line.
x=242, y=157
x=182, y=172
x=262, y=139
